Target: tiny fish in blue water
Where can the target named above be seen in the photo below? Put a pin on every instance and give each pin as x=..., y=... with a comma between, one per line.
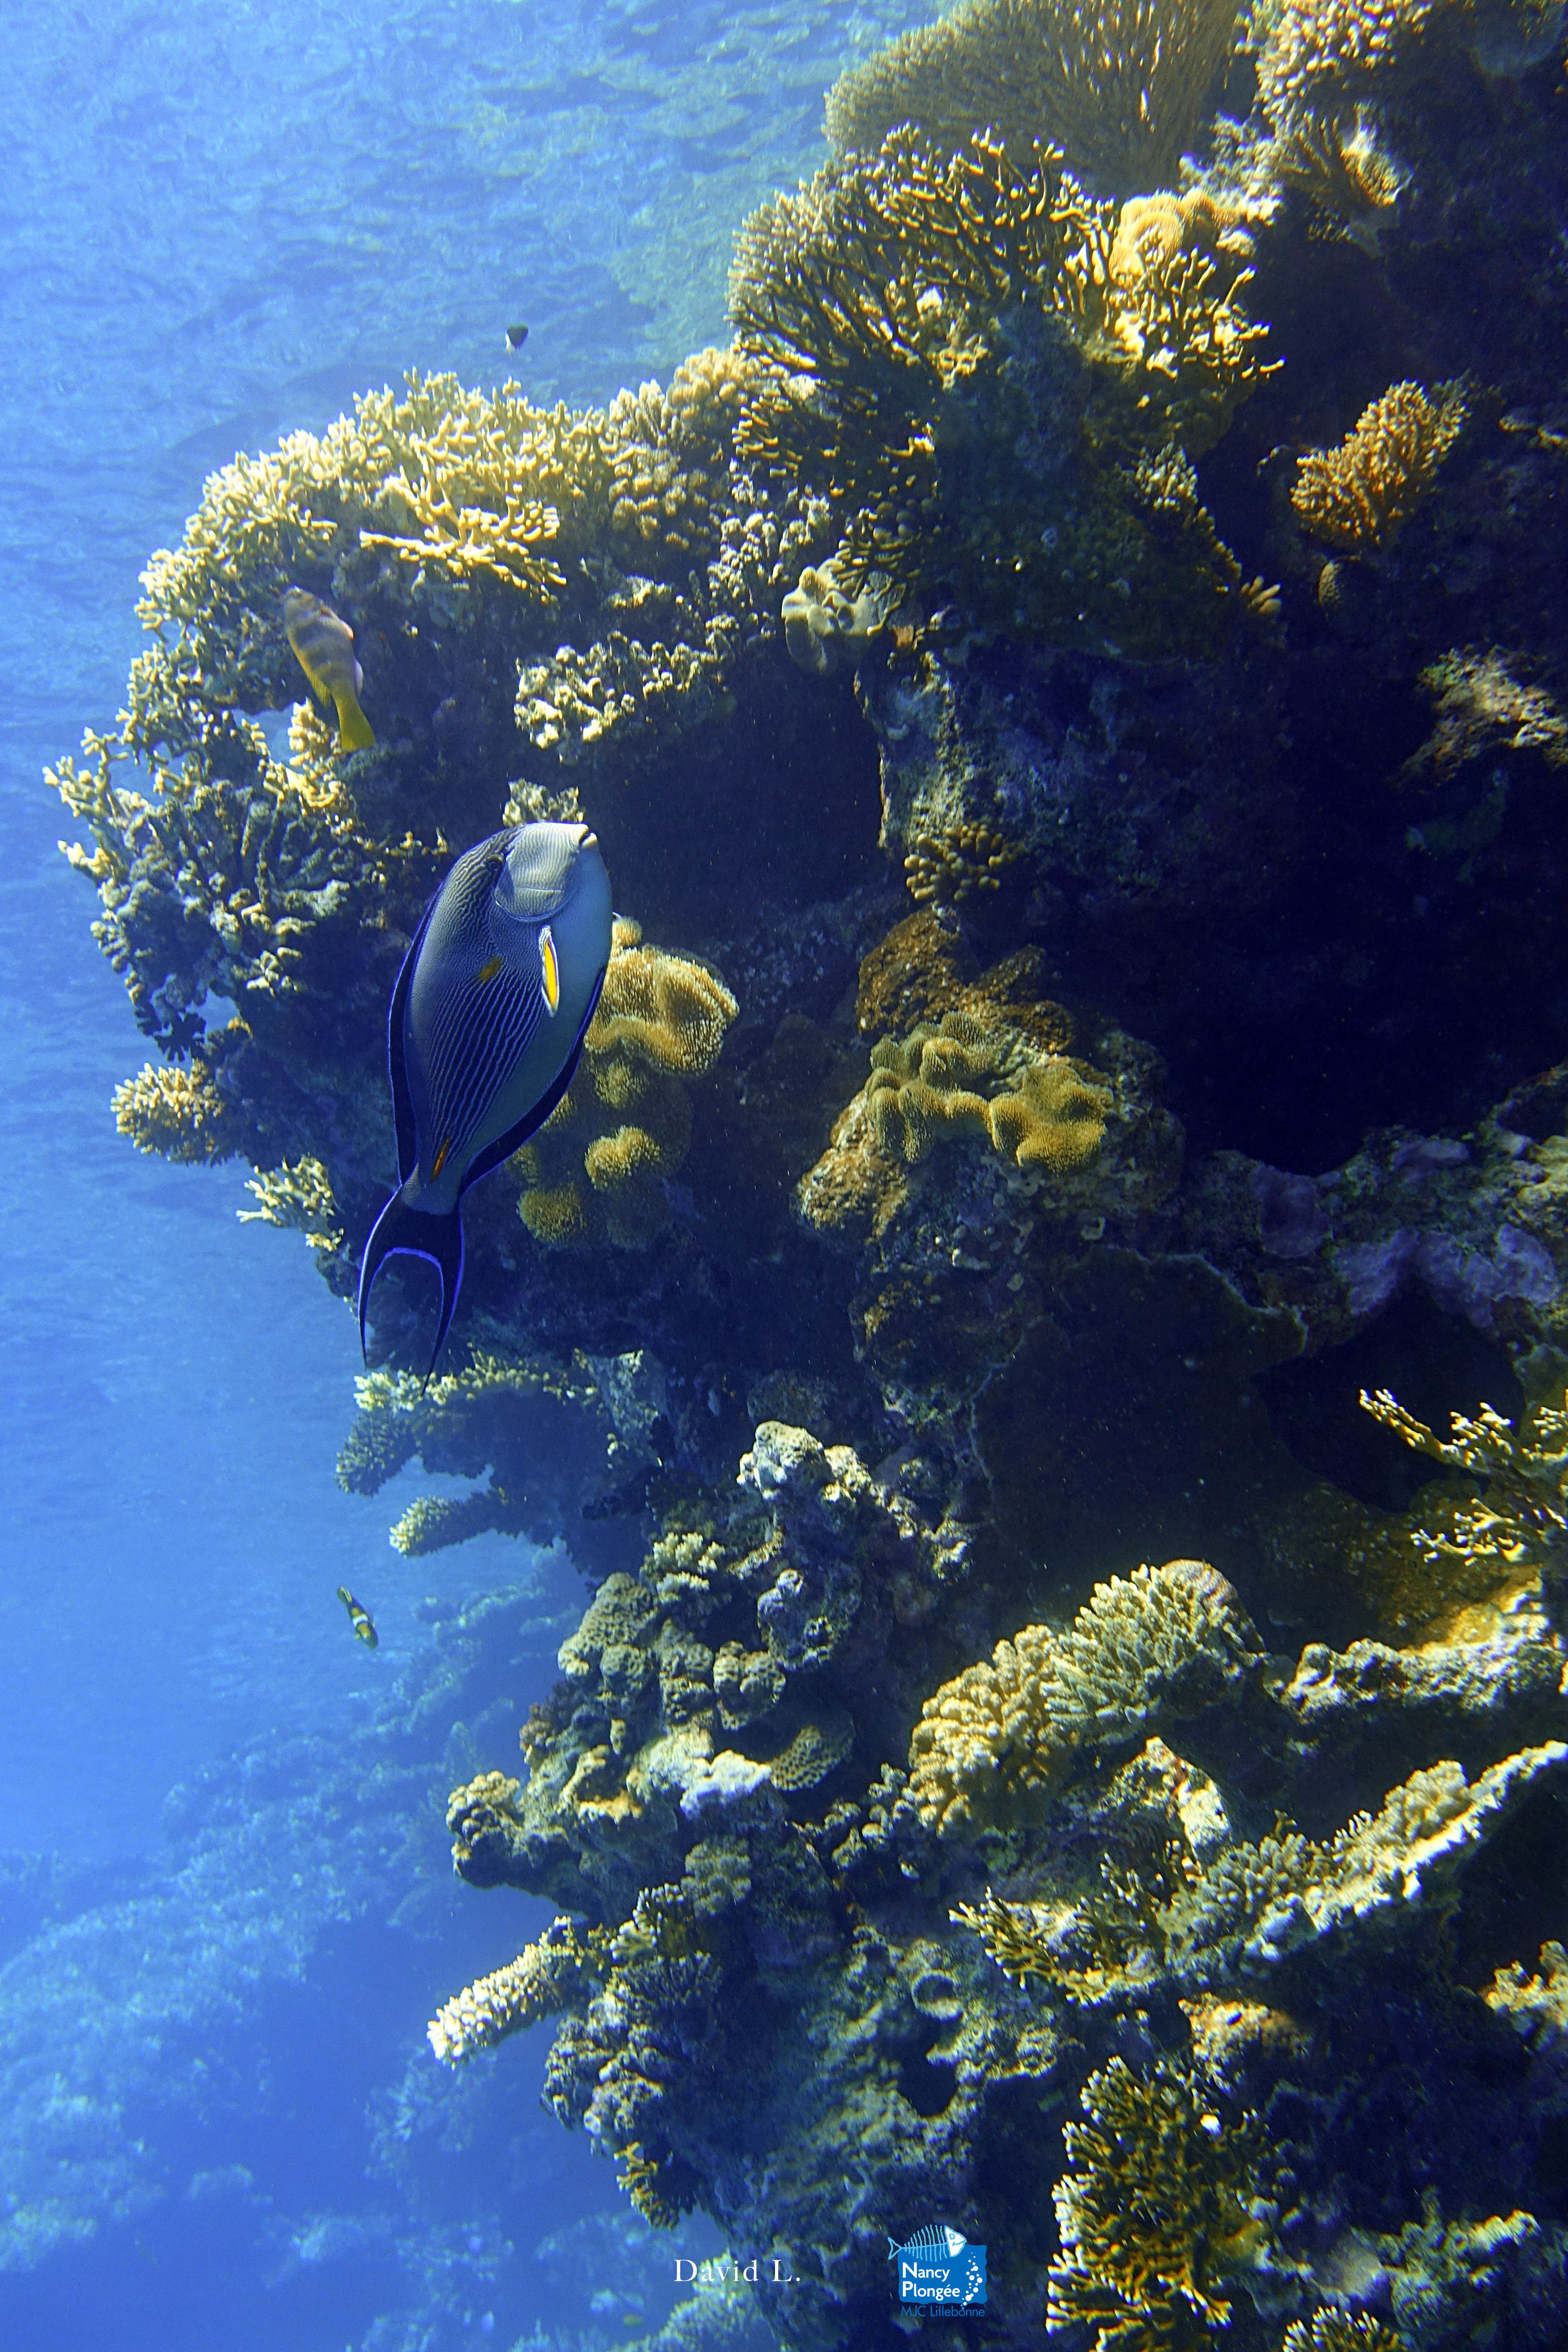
x=486, y=1027
x=324, y=649
x=935, y=2238
x=516, y=337
x=360, y=1619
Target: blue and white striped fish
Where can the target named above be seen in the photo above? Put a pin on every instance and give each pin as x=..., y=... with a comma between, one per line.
x=486, y=1027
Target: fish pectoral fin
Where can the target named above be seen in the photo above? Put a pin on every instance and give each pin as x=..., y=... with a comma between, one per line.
x=355, y=732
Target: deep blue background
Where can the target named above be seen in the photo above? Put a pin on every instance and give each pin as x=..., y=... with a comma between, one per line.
x=219, y=220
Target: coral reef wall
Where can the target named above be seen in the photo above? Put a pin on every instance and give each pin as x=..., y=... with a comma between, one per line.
x=1041, y=1313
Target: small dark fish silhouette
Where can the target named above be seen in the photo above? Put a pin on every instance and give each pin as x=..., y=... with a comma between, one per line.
x=516, y=337
x=360, y=1619
x=487, y=1023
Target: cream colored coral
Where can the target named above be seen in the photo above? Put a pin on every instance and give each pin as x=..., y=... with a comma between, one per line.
x=984, y=1744
x=543, y=1979
x=1169, y=1640
x=177, y=1112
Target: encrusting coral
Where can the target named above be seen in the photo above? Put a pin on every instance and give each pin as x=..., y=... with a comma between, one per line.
x=1357, y=496
x=626, y=1123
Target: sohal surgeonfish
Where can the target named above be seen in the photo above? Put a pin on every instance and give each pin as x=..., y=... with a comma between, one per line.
x=324, y=647
x=487, y=1023
x=360, y=1619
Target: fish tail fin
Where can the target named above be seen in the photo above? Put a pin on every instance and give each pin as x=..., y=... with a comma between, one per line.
x=403, y=1231
x=355, y=732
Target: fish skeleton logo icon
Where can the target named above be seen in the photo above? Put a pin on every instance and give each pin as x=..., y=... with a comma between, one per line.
x=938, y=2265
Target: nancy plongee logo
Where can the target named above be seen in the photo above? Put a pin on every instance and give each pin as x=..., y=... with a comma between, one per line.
x=940, y=2265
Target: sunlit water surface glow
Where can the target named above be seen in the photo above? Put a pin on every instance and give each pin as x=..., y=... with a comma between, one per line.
x=219, y=222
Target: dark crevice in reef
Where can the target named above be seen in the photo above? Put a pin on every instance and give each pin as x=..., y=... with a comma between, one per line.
x=778, y=808
x=1435, y=1364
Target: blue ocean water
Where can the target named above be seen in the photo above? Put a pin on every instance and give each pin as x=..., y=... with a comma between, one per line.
x=225, y=1910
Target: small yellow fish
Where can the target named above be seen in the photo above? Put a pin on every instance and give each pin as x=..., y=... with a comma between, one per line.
x=324, y=647
x=360, y=1619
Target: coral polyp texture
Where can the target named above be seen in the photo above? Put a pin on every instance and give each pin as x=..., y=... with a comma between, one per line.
x=1073, y=698
x=1356, y=497
x=626, y=1123
x=1120, y=85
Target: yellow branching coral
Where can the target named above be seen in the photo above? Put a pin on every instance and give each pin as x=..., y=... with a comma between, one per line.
x=1119, y=85
x=298, y=1197
x=645, y=2182
x=1357, y=496
x=915, y=322
x=546, y=1977
x=1158, y=287
x=1155, y=2209
x=180, y=1113
x=1320, y=55
x=626, y=1122
x=1340, y=2331
x=863, y=303
x=1515, y=1529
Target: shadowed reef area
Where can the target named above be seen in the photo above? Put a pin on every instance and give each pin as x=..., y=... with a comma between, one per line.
x=1074, y=701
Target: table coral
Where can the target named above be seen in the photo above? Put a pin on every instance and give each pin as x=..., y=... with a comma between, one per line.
x=1357, y=496
x=1119, y=85
x=626, y=1122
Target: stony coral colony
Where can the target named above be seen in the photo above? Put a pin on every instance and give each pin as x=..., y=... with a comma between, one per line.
x=1072, y=699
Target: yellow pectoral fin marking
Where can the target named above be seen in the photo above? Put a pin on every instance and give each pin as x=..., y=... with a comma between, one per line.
x=440, y=1160
x=550, y=969
x=487, y=972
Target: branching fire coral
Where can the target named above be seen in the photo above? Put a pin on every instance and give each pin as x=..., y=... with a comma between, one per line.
x=1119, y=85
x=1154, y=2210
x=1358, y=496
x=1517, y=1527
x=626, y=1121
